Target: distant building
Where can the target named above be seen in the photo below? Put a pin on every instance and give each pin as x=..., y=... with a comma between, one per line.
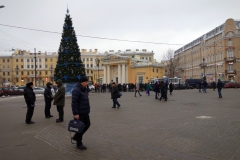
x=17, y=67
x=215, y=55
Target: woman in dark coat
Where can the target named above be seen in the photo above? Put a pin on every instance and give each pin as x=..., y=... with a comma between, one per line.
x=171, y=88
x=114, y=95
x=30, y=99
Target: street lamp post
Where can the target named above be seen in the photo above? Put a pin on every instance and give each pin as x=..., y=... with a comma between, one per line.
x=16, y=69
x=35, y=66
x=204, y=67
x=98, y=61
x=51, y=69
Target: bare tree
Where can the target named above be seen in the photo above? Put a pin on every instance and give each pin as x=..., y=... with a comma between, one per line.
x=171, y=63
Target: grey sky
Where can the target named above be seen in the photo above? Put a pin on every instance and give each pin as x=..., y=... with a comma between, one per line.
x=166, y=21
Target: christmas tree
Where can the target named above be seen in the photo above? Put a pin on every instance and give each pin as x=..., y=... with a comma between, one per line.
x=69, y=67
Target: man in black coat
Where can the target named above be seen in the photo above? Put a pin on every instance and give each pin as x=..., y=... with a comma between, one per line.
x=81, y=108
x=48, y=97
x=114, y=95
x=30, y=99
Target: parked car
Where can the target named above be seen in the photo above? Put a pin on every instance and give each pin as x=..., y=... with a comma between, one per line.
x=182, y=86
x=232, y=85
x=38, y=90
x=5, y=91
x=192, y=82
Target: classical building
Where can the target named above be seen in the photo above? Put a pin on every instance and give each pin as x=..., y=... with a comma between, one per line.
x=215, y=55
x=17, y=67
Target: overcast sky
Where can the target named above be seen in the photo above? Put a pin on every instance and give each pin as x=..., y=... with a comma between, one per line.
x=162, y=21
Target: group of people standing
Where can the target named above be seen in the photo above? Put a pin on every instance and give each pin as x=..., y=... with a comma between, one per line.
x=80, y=104
x=58, y=99
x=202, y=86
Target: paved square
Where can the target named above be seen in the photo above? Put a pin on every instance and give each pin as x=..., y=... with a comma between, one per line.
x=190, y=125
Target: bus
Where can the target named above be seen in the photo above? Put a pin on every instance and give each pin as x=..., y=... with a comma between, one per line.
x=164, y=79
x=175, y=80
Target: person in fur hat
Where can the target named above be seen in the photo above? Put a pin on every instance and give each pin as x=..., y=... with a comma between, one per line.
x=30, y=99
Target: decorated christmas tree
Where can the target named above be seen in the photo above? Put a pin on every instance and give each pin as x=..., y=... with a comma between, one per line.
x=69, y=67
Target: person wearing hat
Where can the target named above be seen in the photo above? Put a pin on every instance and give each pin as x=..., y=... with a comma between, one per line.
x=59, y=100
x=114, y=95
x=81, y=108
x=48, y=97
x=30, y=99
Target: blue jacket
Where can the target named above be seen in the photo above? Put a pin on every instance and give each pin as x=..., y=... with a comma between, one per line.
x=80, y=101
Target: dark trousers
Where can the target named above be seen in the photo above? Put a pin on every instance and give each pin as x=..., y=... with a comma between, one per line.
x=60, y=112
x=156, y=95
x=115, y=102
x=47, y=108
x=29, y=113
x=138, y=92
x=86, y=120
x=219, y=92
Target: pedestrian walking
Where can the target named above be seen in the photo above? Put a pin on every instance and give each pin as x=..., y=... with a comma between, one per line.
x=219, y=87
x=148, y=88
x=114, y=95
x=214, y=85
x=171, y=88
x=48, y=97
x=59, y=100
x=30, y=99
x=199, y=86
x=164, y=88
x=81, y=109
x=205, y=86
x=137, y=89
x=156, y=89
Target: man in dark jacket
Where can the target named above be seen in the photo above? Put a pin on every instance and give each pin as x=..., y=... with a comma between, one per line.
x=30, y=99
x=114, y=95
x=219, y=87
x=171, y=88
x=199, y=86
x=59, y=100
x=81, y=108
x=48, y=97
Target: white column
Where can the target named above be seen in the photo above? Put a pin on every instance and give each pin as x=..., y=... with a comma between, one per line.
x=119, y=73
x=108, y=74
x=127, y=73
x=94, y=64
x=38, y=63
x=85, y=62
x=30, y=64
x=123, y=73
x=104, y=75
x=43, y=64
x=89, y=62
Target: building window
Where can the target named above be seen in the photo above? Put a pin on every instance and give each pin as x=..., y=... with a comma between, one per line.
x=8, y=66
x=21, y=66
x=87, y=59
x=40, y=66
x=87, y=66
x=45, y=59
x=16, y=60
x=31, y=66
x=91, y=59
x=230, y=67
x=91, y=65
x=3, y=73
x=8, y=79
x=22, y=73
x=140, y=79
x=27, y=60
x=3, y=60
x=51, y=60
x=46, y=66
x=31, y=60
x=150, y=58
x=230, y=53
x=40, y=60
x=27, y=66
x=3, y=66
x=40, y=72
x=8, y=73
x=221, y=56
x=7, y=60
x=46, y=72
x=229, y=43
x=216, y=57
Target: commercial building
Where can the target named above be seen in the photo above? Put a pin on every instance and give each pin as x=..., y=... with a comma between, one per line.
x=215, y=55
x=18, y=67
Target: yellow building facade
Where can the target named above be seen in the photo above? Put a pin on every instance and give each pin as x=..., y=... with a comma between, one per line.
x=18, y=67
x=215, y=55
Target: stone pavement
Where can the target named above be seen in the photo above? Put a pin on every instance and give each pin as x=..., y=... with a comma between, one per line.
x=190, y=126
